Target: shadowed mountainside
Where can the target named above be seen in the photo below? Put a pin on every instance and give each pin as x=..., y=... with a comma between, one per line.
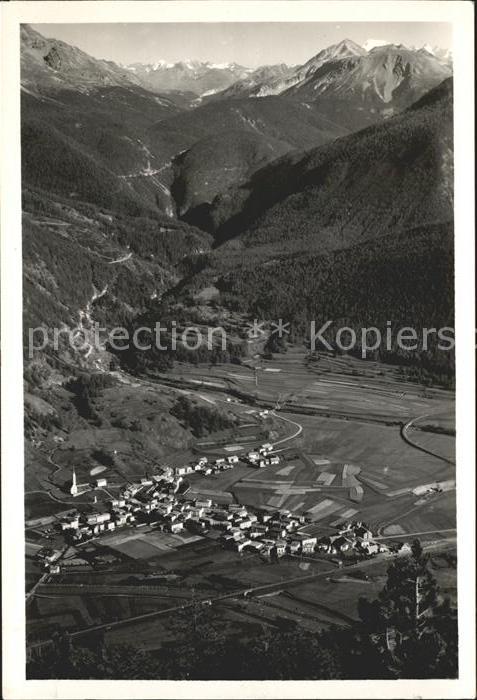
x=389, y=177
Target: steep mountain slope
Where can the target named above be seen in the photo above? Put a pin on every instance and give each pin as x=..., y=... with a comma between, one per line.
x=404, y=277
x=217, y=162
x=273, y=118
x=352, y=86
x=252, y=84
x=84, y=263
x=277, y=84
x=236, y=135
x=392, y=176
x=119, y=145
x=358, y=232
x=343, y=50
x=49, y=64
x=97, y=228
x=388, y=77
x=194, y=76
x=303, y=212
x=94, y=146
x=85, y=126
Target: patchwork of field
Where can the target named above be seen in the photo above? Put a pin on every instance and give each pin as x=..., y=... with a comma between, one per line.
x=296, y=499
x=79, y=611
x=435, y=442
x=337, y=455
x=144, y=543
x=304, y=471
x=221, y=481
x=432, y=515
x=335, y=384
x=164, y=632
x=319, y=468
x=314, y=604
x=378, y=449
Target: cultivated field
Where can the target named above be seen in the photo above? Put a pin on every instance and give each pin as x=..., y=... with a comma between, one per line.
x=337, y=425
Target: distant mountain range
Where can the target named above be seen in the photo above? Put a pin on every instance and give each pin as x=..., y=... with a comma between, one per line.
x=193, y=76
x=199, y=174
x=69, y=66
x=233, y=80
x=351, y=85
x=442, y=55
x=387, y=75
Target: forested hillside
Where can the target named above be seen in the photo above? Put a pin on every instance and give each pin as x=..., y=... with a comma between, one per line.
x=359, y=232
x=307, y=221
x=73, y=251
x=389, y=177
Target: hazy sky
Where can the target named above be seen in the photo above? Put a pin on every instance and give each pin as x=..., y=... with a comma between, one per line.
x=250, y=44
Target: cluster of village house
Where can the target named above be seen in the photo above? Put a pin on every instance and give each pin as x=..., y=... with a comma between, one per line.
x=161, y=501
x=260, y=458
x=351, y=536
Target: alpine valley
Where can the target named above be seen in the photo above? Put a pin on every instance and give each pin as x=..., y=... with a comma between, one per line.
x=268, y=506
x=192, y=166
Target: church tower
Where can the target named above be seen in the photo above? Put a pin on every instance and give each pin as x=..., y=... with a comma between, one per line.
x=74, y=487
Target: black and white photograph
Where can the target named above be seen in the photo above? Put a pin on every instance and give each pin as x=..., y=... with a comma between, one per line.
x=239, y=298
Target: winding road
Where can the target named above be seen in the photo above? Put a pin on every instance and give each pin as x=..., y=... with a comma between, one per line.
x=405, y=436
x=299, y=430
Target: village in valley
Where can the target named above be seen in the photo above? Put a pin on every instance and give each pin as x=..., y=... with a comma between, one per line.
x=289, y=514
x=239, y=370
x=161, y=501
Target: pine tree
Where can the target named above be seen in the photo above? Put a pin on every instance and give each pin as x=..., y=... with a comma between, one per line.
x=409, y=624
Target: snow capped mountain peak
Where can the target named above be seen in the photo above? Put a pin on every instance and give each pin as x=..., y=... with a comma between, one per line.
x=191, y=64
x=370, y=44
x=343, y=49
x=219, y=66
x=347, y=45
x=430, y=49
x=161, y=64
x=442, y=55
x=187, y=75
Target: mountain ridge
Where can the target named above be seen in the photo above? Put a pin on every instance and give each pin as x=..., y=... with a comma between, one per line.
x=51, y=64
x=132, y=183
x=413, y=141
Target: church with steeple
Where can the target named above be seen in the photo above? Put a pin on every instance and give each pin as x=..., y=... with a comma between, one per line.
x=74, y=485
